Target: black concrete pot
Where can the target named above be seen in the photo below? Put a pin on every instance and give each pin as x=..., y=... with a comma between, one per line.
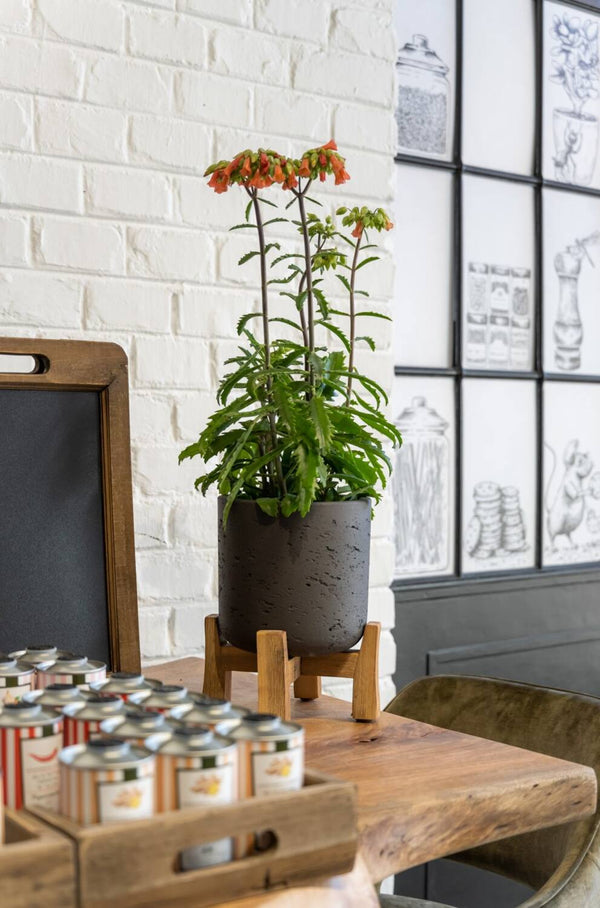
x=308, y=576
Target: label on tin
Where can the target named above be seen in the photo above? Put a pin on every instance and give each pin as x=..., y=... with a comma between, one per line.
x=39, y=761
x=120, y=802
x=202, y=788
x=14, y=694
x=277, y=770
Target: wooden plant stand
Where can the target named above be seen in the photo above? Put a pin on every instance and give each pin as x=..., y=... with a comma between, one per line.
x=277, y=671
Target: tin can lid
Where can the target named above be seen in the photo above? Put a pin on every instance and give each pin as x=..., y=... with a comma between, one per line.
x=10, y=666
x=127, y=676
x=263, y=725
x=194, y=739
x=418, y=54
x=205, y=700
x=25, y=713
x=61, y=686
x=95, y=707
x=104, y=752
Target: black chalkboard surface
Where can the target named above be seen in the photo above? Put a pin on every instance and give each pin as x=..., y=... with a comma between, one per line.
x=52, y=560
x=67, y=560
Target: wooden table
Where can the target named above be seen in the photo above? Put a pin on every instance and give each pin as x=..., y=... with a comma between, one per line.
x=423, y=792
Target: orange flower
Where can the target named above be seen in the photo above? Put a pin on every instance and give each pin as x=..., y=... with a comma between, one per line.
x=246, y=169
x=278, y=174
x=219, y=181
x=341, y=176
x=357, y=232
x=303, y=170
x=388, y=224
x=330, y=145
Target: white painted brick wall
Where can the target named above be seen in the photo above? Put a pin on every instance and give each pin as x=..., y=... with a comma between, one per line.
x=109, y=113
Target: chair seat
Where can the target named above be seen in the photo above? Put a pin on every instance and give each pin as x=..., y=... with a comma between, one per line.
x=403, y=901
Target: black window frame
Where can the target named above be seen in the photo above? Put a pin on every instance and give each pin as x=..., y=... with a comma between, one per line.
x=456, y=371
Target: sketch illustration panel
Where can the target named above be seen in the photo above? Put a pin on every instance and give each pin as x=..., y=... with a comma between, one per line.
x=571, y=104
x=499, y=475
x=423, y=479
x=571, y=282
x=498, y=274
x=422, y=295
x=571, y=473
x=498, y=109
x=425, y=74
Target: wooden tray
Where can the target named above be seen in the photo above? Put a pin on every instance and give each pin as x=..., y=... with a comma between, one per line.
x=37, y=865
x=135, y=865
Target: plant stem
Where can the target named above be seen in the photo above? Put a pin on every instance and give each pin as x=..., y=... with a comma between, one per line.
x=308, y=272
x=352, y=319
x=266, y=340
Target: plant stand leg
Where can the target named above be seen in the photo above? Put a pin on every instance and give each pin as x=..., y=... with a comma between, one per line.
x=276, y=672
x=217, y=678
x=365, y=689
x=307, y=687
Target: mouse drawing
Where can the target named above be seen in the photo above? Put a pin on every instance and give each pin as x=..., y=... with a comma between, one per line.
x=566, y=510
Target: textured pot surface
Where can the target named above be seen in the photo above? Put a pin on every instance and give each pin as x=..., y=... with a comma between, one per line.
x=308, y=576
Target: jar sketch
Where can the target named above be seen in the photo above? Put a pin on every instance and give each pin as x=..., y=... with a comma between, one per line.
x=423, y=98
x=568, y=329
x=421, y=491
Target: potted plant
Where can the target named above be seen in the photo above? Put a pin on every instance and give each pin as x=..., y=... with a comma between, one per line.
x=576, y=68
x=296, y=447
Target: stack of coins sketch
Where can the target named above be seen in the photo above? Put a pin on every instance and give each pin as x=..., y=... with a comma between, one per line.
x=488, y=511
x=513, y=527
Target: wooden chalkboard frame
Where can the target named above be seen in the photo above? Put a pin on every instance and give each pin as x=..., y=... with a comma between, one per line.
x=65, y=365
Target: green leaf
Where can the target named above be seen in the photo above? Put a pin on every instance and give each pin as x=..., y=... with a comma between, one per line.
x=249, y=255
x=248, y=210
x=344, y=281
x=374, y=315
x=243, y=321
x=269, y=506
x=368, y=341
x=289, y=504
x=286, y=255
x=243, y=227
x=334, y=330
x=371, y=258
x=275, y=221
x=307, y=464
x=322, y=425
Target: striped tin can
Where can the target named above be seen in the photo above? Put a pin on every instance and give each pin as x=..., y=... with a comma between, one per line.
x=69, y=668
x=196, y=768
x=55, y=696
x=30, y=741
x=271, y=755
x=82, y=720
x=16, y=679
x=37, y=653
x=162, y=699
x=136, y=724
x=210, y=711
x=125, y=683
x=106, y=780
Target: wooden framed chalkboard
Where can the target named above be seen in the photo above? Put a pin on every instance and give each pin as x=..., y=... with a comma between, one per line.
x=67, y=556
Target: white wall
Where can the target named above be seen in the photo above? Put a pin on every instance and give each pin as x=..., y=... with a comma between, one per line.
x=109, y=112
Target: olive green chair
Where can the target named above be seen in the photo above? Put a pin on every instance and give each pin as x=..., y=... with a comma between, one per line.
x=562, y=863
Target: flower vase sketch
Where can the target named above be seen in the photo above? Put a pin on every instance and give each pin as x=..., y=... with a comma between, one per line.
x=497, y=527
x=421, y=491
x=566, y=500
x=568, y=327
x=576, y=69
x=423, y=98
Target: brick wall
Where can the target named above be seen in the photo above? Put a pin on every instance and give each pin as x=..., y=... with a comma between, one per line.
x=109, y=112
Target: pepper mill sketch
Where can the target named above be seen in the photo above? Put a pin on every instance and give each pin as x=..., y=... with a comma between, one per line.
x=421, y=491
x=568, y=329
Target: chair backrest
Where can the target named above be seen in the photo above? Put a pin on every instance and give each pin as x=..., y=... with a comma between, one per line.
x=559, y=723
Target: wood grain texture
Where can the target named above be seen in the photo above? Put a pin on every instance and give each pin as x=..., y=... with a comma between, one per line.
x=424, y=792
x=102, y=367
x=365, y=689
x=37, y=865
x=135, y=865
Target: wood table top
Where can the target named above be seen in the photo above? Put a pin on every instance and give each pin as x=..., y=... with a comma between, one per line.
x=422, y=792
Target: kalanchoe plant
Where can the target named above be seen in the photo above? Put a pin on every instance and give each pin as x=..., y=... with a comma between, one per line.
x=297, y=422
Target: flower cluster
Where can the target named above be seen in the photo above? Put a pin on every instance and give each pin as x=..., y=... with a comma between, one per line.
x=318, y=162
x=262, y=168
x=365, y=219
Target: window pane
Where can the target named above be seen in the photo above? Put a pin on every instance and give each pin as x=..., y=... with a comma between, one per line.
x=499, y=84
x=571, y=98
x=571, y=472
x=425, y=73
x=571, y=282
x=423, y=481
x=422, y=239
x=499, y=475
x=498, y=274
